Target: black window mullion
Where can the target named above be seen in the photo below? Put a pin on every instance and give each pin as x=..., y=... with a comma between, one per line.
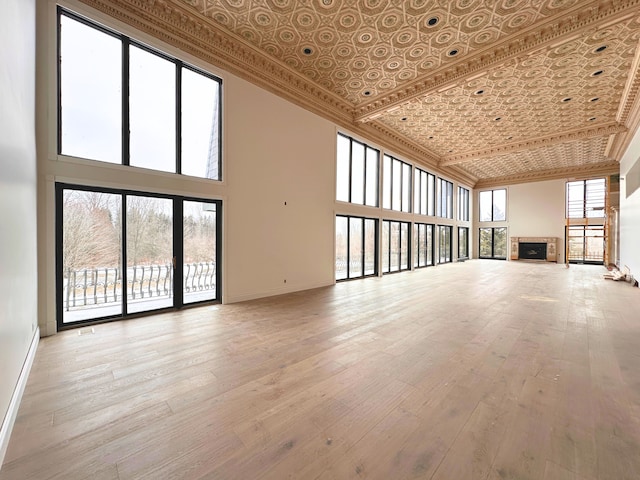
x=493, y=242
x=364, y=181
x=178, y=252
x=350, y=175
x=178, y=114
x=401, y=189
x=400, y=230
x=362, y=223
x=123, y=246
x=219, y=214
x=59, y=75
x=349, y=243
x=376, y=248
x=125, y=101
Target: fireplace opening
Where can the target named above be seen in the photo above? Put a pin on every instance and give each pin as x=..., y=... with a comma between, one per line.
x=532, y=251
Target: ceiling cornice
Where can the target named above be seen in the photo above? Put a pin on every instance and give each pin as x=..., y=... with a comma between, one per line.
x=591, y=170
x=556, y=30
x=539, y=142
x=628, y=113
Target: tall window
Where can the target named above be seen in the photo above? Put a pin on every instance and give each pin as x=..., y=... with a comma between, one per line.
x=424, y=192
x=395, y=246
x=357, y=172
x=396, y=184
x=356, y=247
x=422, y=245
x=586, y=198
x=125, y=103
x=493, y=205
x=444, y=243
x=463, y=242
x=463, y=204
x=445, y=199
x=493, y=243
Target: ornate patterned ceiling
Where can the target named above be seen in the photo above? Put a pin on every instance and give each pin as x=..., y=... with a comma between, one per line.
x=493, y=91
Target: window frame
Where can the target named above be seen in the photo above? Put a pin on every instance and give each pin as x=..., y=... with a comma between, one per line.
x=463, y=204
x=417, y=244
x=424, y=185
x=126, y=42
x=177, y=246
x=493, y=205
x=376, y=186
x=463, y=253
x=389, y=196
x=376, y=247
x=585, y=203
x=444, y=207
x=388, y=252
x=442, y=257
x=493, y=255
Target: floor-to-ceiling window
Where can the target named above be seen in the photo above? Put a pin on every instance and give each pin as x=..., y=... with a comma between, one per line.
x=395, y=246
x=122, y=253
x=493, y=242
x=444, y=243
x=586, y=244
x=493, y=239
x=463, y=242
x=356, y=247
x=586, y=225
x=422, y=245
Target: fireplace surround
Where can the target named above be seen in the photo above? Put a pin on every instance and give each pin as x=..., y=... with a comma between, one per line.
x=534, y=248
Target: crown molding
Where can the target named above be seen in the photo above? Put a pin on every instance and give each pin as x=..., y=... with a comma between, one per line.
x=629, y=109
x=534, y=143
x=586, y=171
x=555, y=30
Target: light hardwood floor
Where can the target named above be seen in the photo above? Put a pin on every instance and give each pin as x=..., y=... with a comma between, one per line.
x=475, y=370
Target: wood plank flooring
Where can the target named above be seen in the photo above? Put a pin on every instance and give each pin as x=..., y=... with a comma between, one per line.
x=474, y=370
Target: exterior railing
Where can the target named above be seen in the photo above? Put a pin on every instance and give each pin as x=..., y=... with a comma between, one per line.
x=103, y=286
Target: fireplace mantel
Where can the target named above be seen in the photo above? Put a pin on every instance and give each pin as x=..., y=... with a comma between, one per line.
x=551, y=242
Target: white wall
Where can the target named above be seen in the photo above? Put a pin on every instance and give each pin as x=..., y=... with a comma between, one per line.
x=538, y=210
x=18, y=282
x=280, y=170
x=630, y=208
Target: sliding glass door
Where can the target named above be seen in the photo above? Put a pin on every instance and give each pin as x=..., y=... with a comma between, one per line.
x=168, y=257
x=149, y=233
x=199, y=261
x=89, y=255
x=493, y=243
x=586, y=244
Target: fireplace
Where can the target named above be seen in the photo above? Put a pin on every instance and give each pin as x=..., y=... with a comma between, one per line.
x=532, y=251
x=534, y=248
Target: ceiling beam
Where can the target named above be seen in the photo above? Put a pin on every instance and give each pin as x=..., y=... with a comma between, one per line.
x=533, y=143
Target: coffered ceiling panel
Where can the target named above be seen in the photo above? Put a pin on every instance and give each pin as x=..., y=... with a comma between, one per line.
x=489, y=91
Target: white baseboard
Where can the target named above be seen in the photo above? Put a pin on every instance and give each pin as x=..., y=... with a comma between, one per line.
x=14, y=404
